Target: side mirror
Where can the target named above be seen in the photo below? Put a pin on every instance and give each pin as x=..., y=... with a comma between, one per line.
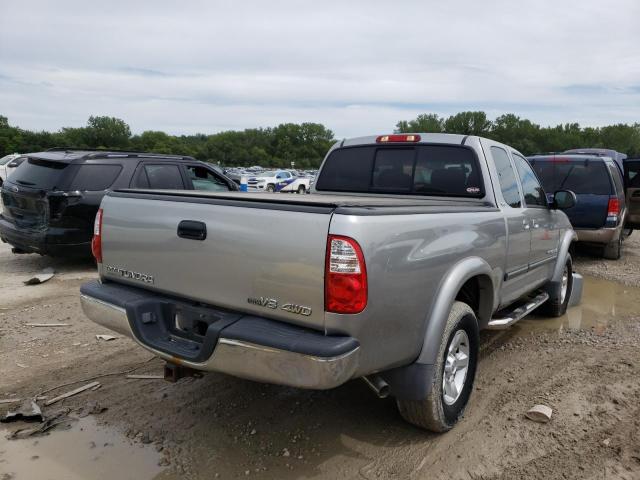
x=564, y=199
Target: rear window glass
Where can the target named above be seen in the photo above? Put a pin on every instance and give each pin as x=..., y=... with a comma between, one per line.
x=95, y=177
x=582, y=177
x=420, y=170
x=38, y=173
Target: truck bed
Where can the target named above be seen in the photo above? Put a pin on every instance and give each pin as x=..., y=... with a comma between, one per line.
x=319, y=203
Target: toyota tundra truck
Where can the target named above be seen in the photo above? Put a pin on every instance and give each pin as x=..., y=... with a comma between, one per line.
x=408, y=246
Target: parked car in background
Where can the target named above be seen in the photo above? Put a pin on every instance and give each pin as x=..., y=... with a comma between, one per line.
x=277, y=181
x=617, y=157
x=8, y=164
x=408, y=247
x=599, y=213
x=50, y=201
x=632, y=191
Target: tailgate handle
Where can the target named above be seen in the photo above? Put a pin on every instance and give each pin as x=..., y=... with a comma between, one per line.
x=192, y=230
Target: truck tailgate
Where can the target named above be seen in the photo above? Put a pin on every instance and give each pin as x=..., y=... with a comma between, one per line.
x=256, y=257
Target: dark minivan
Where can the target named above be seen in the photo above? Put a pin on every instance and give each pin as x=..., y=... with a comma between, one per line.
x=599, y=213
x=51, y=200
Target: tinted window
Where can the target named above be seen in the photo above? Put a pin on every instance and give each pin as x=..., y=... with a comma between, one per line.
x=616, y=177
x=165, y=177
x=506, y=177
x=579, y=176
x=393, y=169
x=203, y=179
x=347, y=170
x=423, y=170
x=633, y=173
x=140, y=179
x=533, y=193
x=39, y=174
x=95, y=177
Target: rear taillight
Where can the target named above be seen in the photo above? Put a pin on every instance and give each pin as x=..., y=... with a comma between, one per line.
x=96, y=241
x=398, y=138
x=614, y=207
x=345, y=281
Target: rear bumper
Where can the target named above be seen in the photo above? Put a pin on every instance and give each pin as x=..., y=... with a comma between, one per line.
x=41, y=242
x=601, y=235
x=246, y=346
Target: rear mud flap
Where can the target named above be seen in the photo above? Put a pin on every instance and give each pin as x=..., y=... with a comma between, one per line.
x=576, y=290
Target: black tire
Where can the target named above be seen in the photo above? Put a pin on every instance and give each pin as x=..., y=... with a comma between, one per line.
x=612, y=250
x=301, y=189
x=271, y=188
x=434, y=413
x=557, y=304
x=626, y=233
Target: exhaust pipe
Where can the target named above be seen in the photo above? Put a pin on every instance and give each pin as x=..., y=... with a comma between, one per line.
x=378, y=385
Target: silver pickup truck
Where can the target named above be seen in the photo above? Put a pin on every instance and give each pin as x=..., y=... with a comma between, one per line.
x=408, y=246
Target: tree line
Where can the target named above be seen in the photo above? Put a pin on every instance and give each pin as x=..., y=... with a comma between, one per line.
x=529, y=137
x=307, y=143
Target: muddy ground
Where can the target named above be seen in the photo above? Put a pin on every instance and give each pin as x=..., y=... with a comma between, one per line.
x=586, y=366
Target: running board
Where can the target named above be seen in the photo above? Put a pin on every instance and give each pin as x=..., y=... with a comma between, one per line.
x=518, y=313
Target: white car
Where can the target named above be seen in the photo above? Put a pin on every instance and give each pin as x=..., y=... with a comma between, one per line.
x=277, y=181
x=7, y=165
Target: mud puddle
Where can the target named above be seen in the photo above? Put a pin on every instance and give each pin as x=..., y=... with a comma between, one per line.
x=84, y=451
x=603, y=302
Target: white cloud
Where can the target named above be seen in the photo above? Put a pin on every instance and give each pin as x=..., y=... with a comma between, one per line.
x=357, y=67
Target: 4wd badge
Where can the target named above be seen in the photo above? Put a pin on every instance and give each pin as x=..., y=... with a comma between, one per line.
x=273, y=304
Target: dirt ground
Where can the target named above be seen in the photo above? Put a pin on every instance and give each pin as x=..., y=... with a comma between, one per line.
x=585, y=366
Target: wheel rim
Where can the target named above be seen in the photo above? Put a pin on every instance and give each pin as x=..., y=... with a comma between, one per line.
x=455, y=368
x=565, y=284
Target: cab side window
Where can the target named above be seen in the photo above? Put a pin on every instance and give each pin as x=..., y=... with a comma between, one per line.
x=534, y=195
x=204, y=179
x=507, y=177
x=162, y=177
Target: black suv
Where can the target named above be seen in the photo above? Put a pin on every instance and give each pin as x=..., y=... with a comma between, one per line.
x=51, y=200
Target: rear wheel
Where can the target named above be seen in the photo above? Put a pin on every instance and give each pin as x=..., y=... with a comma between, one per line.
x=301, y=189
x=612, y=250
x=559, y=292
x=271, y=187
x=453, y=377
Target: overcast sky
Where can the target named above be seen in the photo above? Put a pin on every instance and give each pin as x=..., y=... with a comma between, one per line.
x=357, y=67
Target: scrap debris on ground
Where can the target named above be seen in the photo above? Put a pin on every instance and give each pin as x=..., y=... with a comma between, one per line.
x=44, y=276
x=582, y=366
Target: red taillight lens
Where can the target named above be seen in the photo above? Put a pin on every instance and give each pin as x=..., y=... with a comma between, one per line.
x=614, y=207
x=96, y=241
x=345, y=280
x=397, y=138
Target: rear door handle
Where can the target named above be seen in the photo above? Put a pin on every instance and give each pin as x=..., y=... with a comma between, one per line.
x=192, y=230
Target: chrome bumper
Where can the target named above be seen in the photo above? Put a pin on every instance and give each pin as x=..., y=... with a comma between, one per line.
x=242, y=359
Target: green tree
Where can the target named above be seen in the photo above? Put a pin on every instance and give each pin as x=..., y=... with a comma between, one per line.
x=468, y=123
x=426, y=122
x=107, y=132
